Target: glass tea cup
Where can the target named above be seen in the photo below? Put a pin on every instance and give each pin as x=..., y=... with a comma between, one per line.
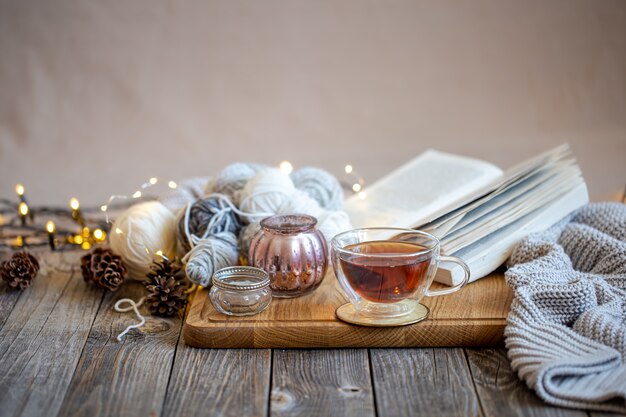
x=385, y=272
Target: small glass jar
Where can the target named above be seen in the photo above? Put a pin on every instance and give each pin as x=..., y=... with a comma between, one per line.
x=240, y=291
x=292, y=251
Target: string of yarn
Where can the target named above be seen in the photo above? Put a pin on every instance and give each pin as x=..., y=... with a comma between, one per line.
x=140, y=232
x=210, y=254
x=207, y=216
x=132, y=305
x=320, y=185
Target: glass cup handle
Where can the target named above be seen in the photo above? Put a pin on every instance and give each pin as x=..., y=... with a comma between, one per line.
x=457, y=287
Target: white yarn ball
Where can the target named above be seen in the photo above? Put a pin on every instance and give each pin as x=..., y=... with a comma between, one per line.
x=331, y=223
x=139, y=232
x=265, y=194
x=321, y=185
x=301, y=203
x=234, y=177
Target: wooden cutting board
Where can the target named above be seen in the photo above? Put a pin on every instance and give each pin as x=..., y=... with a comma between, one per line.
x=474, y=316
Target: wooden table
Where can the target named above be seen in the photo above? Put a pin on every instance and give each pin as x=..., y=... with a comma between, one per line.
x=59, y=357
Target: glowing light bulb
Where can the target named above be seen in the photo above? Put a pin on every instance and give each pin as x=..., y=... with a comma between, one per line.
x=362, y=195
x=356, y=188
x=153, y=180
x=23, y=209
x=19, y=190
x=50, y=226
x=348, y=169
x=172, y=184
x=159, y=253
x=119, y=231
x=137, y=194
x=98, y=235
x=74, y=204
x=286, y=167
x=103, y=208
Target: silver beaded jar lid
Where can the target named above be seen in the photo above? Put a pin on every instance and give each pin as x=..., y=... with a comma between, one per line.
x=241, y=278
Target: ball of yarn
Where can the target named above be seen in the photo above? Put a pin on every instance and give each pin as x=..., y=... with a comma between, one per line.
x=234, y=177
x=209, y=187
x=321, y=185
x=187, y=191
x=208, y=255
x=245, y=238
x=300, y=202
x=205, y=217
x=265, y=194
x=331, y=223
x=139, y=232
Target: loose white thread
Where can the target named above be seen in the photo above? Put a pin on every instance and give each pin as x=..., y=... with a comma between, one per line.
x=133, y=306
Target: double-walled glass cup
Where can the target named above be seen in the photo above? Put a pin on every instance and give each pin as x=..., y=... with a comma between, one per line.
x=385, y=272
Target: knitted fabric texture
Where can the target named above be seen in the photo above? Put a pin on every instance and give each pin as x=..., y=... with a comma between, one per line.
x=566, y=332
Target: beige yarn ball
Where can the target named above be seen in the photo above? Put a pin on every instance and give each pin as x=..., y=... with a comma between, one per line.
x=139, y=232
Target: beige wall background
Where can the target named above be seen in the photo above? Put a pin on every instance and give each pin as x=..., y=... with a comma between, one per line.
x=96, y=97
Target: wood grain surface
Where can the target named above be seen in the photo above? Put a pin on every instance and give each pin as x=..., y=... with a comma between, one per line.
x=42, y=340
x=501, y=392
x=474, y=316
x=126, y=370
x=59, y=357
x=321, y=382
x=425, y=382
x=219, y=382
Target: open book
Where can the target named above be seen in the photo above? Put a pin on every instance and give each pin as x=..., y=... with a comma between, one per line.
x=477, y=211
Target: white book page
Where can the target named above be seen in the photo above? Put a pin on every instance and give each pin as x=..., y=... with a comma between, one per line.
x=452, y=215
x=409, y=195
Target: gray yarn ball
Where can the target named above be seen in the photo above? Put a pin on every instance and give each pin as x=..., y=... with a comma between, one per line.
x=215, y=252
x=234, y=177
x=246, y=235
x=320, y=185
x=201, y=214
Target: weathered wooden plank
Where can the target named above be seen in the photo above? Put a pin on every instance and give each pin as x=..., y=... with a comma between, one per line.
x=219, y=382
x=41, y=342
x=425, y=382
x=8, y=299
x=500, y=391
x=8, y=295
x=321, y=383
x=127, y=378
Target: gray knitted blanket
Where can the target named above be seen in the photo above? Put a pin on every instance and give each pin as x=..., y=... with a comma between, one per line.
x=566, y=332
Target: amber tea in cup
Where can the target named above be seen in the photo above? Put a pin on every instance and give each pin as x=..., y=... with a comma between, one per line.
x=385, y=272
x=391, y=280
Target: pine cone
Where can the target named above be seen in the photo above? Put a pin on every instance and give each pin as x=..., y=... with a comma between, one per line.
x=20, y=270
x=166, y=286
x=104, y=268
